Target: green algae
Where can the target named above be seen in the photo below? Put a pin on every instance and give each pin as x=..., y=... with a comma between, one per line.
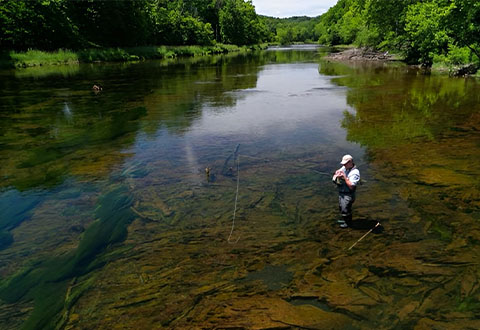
x=16, y=208
x=6, y=239
x=442, y=230
x=114, y=215
x=469, y=304
x=49, y=301
x=46, y=282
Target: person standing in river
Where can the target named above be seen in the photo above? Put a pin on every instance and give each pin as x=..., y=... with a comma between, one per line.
x=346, y=178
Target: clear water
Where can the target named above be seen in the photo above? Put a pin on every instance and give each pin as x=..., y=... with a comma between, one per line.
x=108, y=217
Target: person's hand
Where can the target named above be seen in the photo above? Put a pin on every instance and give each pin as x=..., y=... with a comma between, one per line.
x=340, y=174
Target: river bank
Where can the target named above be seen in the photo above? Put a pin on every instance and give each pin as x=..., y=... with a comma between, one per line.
x=368, y=54
x=31, y=58
x=362, y=54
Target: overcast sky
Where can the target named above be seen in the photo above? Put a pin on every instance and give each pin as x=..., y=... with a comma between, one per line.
x=288, y=8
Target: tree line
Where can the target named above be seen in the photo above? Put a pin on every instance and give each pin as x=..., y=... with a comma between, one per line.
x=293, y=29
x=77, y=24
x=425, y=31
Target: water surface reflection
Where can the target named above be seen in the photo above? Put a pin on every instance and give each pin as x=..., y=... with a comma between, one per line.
x=109, y=218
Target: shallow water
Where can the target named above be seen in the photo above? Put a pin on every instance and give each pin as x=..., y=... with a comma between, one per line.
x=109, y=219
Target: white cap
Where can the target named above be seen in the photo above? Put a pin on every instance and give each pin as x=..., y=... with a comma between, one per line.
x=346, y=159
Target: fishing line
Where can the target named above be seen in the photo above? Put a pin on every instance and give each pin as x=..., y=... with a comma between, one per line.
x=236, y=199
x=378, y=224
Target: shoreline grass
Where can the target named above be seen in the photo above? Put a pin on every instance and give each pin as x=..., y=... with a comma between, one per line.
x=33, y=58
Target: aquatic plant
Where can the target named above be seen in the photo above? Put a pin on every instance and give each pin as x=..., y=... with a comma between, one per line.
x=113, y=214
x=46, y=282
x=5, y=239
x=16, y=208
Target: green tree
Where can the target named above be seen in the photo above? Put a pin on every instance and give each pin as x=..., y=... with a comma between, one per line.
x=464, y=24
x=187, y=30
x=425, y=30
x=327, y=28
x=36, y=24
x=76, y=24
x=208, y=12
x=388, y=17
x=350, y=23
x=239, y=24
x=286, y=36
x=302, y=29
x=114, y=22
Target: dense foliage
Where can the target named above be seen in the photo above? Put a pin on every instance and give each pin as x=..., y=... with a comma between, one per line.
x=75, y=24
x=293, y=29
x=425, y=31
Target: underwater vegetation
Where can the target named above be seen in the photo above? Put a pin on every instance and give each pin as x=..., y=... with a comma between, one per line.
x=46, y=281
x=16, y=208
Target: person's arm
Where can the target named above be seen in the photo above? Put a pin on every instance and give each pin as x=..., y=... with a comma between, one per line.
x=351, y=185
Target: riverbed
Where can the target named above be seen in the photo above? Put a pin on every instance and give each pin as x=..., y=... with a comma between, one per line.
x=197, y=193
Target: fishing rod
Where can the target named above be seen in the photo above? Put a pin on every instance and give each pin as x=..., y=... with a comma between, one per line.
x=378, y=224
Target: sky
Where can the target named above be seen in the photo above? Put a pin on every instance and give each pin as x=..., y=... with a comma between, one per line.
x=288, y=8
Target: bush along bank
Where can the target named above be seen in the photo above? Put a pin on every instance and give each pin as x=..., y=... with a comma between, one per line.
x=434, y=34
x=455, y=66
x=32, y=58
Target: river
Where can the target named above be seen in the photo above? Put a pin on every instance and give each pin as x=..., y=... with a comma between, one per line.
x=197, y=193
